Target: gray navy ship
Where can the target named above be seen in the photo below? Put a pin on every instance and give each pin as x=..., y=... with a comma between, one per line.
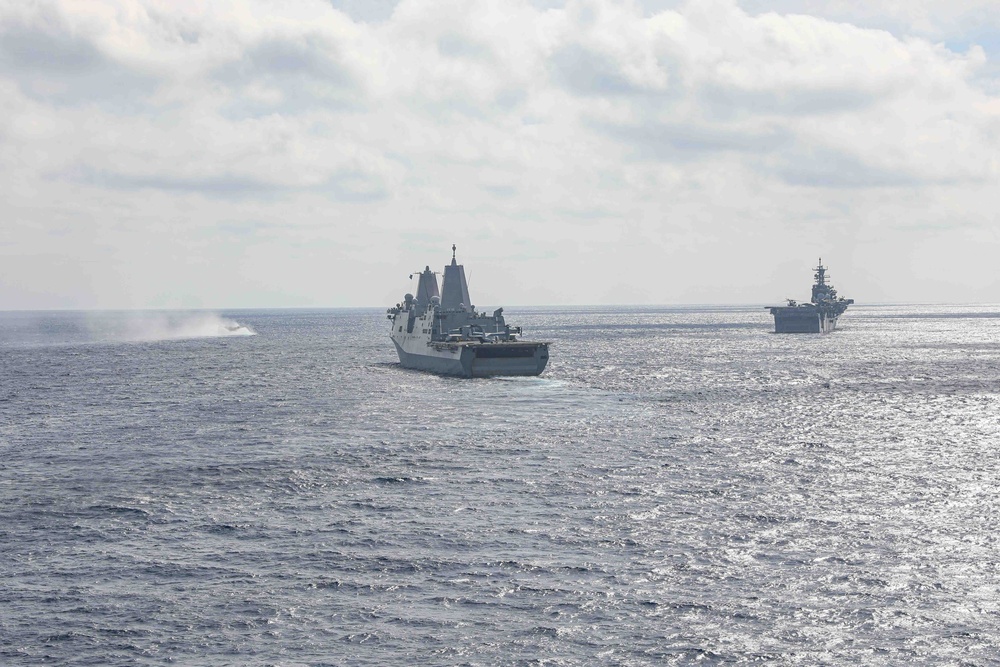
x=818, y=316
x=442, y=332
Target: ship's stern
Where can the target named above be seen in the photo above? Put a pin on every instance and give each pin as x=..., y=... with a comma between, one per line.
x=520, y=358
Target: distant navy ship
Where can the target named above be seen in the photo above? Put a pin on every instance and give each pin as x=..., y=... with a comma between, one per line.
x=442, y=332
x=818, y=316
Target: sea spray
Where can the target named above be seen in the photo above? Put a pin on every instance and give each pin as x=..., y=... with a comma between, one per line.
x=176, y=326
x=42, y=328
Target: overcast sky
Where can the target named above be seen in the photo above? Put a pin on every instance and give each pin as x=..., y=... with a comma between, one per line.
x=253, y=153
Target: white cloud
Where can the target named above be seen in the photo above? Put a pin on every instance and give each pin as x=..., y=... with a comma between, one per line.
x=272, y=150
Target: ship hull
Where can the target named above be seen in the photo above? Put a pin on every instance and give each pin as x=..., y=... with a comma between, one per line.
x=467, y=359
x=802, y=320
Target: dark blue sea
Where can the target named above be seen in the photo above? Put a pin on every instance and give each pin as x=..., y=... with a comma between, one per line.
x=680, y=486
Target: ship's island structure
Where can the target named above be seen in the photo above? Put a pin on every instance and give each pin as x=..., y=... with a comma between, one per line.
x=818, y=316
x=442, y=332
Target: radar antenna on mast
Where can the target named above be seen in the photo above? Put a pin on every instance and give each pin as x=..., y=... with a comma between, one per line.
x=820, y=273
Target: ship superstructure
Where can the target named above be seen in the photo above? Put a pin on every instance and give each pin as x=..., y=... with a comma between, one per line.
x=442, y=332
x=818, y=316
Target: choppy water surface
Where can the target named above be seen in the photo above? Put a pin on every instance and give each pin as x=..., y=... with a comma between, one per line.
x=681, y=485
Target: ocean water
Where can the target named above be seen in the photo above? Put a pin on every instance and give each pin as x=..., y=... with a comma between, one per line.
x=680, y=486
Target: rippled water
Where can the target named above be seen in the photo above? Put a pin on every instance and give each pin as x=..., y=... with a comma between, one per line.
x=680, y=485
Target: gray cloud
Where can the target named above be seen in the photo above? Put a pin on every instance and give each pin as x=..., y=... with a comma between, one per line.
x=52, y=63
x=586, y=72
x=308, y=70
x=504, y=191
x=46, y=49
x=830, y=168
x=681, y=142
x=726, y=101
x=223, y=185
x=366, y=11
x=458, y=46
x=342, y=186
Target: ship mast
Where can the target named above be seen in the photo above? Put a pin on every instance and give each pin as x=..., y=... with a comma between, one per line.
x=820, y=273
